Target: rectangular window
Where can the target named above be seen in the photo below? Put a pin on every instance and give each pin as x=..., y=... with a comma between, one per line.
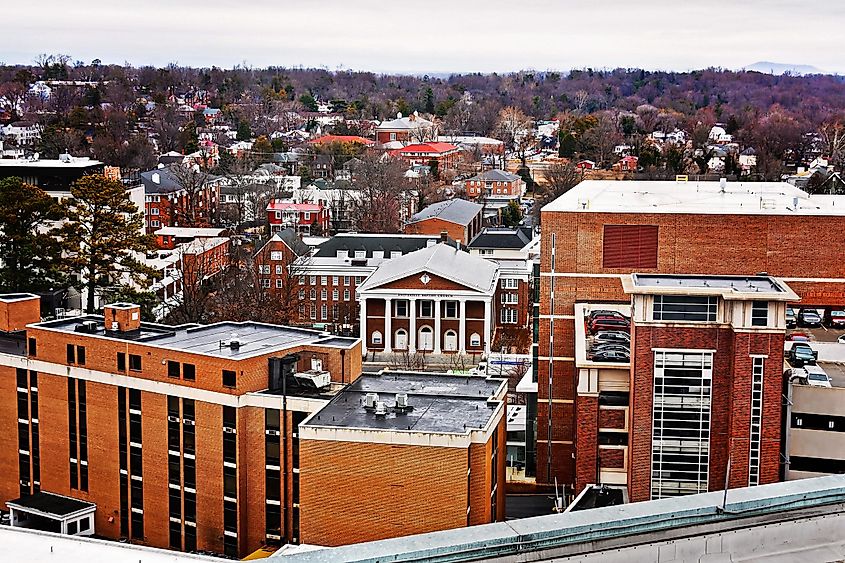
x=278, y=269
x=324, y=294
x=335, y=280
x=279, y=283
x=335, y=294
x=121, y=361
x=80, y=355
x=757, y=368
x=71, y=354
x=426, y=309
x=173, y=369
x=134, y=362
x=401, y=308
x=265, y=283
x=346, y=280
x=629, y=246
x=760, y=313
x=510, y=283
x=323, y=312
x=680, y=450
x=451, y=309
x=685, y=308
x=275, y=255
x=229, y=378
x=33, y=347
x=189, y=372
x=346, y=295
x=323, y=280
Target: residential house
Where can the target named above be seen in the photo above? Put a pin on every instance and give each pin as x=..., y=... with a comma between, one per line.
x=496, y=184
x=443, y=155
x=406, y=130
x=310, y=218
x=171, y=196
x=459, y=218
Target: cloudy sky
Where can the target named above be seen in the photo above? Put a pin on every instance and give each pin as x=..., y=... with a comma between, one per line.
x=432, y=36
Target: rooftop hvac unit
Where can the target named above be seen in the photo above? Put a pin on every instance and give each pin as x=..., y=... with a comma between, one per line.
x=316, y=379
x=370, y=400
x=115, y=326
x=381, y=409
x=87, y=326
x=316, y=364
x=401, y=401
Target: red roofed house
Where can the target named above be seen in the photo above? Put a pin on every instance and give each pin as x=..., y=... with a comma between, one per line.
x=446, y=155
x=627, y=164
x=309, y=218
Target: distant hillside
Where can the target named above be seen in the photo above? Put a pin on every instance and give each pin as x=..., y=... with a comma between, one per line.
x=783, y=68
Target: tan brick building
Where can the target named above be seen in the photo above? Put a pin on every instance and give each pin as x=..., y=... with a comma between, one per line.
x=601, y=231
x=183, y=437
x=418, y=452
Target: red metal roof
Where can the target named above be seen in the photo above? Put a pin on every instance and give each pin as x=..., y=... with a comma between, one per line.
x=285, y=205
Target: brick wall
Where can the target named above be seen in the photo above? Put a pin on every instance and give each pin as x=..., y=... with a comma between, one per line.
x=435, y=226
x=587, y=441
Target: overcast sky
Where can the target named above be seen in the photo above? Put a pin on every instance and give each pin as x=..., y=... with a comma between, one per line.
x=431, y=36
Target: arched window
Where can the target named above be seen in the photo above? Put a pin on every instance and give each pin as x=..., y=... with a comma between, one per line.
x=401, y=340
x=376, y=338
x=450, y=341
x=475, y=340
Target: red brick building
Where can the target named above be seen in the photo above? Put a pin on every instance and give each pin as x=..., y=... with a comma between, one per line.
x=183, y=437
x=443, y=155
x=308, y=218
x=438, y=300
x=460, y=219
x=167, y=201
x=600, y=231
x=496, y=184
x=406, y=130
x=427, y=451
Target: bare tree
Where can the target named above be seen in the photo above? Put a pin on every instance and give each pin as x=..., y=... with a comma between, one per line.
x=193, y=181
x=832, y=134
x=381, y=182
x=515, y=129
x=560, y=177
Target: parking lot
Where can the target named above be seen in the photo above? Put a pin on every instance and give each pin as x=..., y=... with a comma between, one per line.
x=819, y=334
x=836, y=373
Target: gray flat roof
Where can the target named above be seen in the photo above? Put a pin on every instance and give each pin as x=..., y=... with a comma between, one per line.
x=441, y=403
x=51, y=503
x=211, y=340
x=735, y=283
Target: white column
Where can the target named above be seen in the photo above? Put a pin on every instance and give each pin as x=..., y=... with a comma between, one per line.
x=437, y=326
x=388, y=331
x=363, y=330
x=462, y=327
x=412, y=330
x=487, y=318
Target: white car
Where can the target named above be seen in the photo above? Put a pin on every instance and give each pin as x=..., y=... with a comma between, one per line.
x=841, y=339
x=816, y=376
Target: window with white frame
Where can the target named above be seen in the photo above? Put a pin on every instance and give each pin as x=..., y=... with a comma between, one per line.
x=324, y=294
x=278, y=214
x=306, y=216
x=313, y=311
x=313, y=280
x=450, y=309
x=265, y=282
x=301, y=294
x=395, y=253
x=510, y=283
x=680, y=440
x=301, y=280
x=360, y=254
x=508, y=315
x=757, y=368
x=376, y=337
x=154, y=223
x=324, y=312
x=276, y=255
x=346, y=280
x=264, y=269
x=335, y=280
x=346, y=295
x=335, y=294
x=475, y=340
x=313, y=295
x=324, y=280
x=358, y=280
x=154, y=211
x=278, y=283
x=759, y=313
x=279, y=269
x=400, y=308
x=426, y=309
x=510, y=298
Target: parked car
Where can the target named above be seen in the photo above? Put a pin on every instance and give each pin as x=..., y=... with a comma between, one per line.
x=809, y=317
x=608, y=347
x=605, y=313
x=791, y=318
x=817, y=377
x=611, y=356
x=835, y=318
x=801, y=354
x=792, y=374
x=841, y=339
x=609, y=323
x=798, y=337
x=613, y=336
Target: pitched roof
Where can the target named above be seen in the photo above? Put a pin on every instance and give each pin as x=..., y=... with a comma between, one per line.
x=341, y=139
x=433, y=148
x=167, y=180
x=441, y=260
x=370, y=243
x=502, y=237
x=405, y=123
x=495, y=176
x=458, y=211
x=276, y=205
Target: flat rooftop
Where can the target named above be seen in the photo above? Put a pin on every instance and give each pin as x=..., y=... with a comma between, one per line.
x=254, y=338
x=49, y=503
x=738, y=198
x=75, y=162
x=440, y=403
x=729, y=287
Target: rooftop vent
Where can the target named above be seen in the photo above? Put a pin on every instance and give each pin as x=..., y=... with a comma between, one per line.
x=370, y=400
x=381, y=409
x=89, y=327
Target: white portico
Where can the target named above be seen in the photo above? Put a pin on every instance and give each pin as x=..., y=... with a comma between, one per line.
x=436, y=300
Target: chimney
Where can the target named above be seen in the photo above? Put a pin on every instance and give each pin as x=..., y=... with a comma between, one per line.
x=723, y=183
x=444, y=236
x=18, y=310
x=122, y=317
